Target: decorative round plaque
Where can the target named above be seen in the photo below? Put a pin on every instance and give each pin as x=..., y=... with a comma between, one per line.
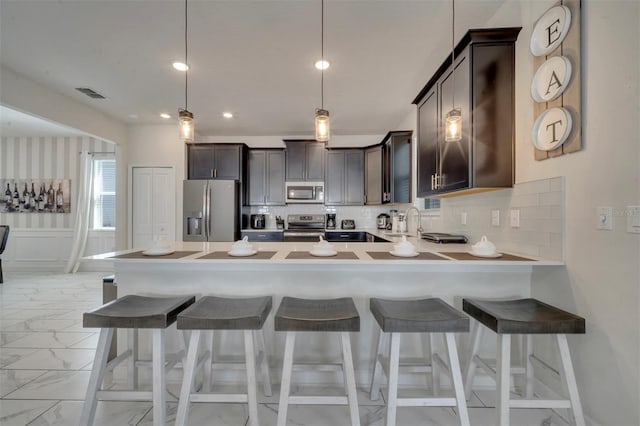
x=552, y=128
x=551, y=79
x=550, y=30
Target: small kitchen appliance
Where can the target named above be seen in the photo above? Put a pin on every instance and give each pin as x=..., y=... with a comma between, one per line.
x=442, y=238
x=305, y=192
x=331, y=221
x=383, y=220
x=348, y=224
x=258, y=221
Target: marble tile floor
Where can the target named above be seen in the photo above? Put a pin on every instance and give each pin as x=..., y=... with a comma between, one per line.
x=46, y=357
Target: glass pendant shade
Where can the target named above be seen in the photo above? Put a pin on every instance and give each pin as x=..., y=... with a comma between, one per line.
x=453, y=126
x=323, y=128
x=187, y=129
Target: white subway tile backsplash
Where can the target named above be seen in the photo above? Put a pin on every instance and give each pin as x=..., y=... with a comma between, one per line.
x=534, y=187
x=555, y=239
x=556, y=212
x=541, y=230
x=556, y=184
x=525, y=200
x=534, y=212
x=551, y=198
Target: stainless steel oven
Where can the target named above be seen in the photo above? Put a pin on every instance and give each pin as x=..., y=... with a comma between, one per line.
x=305, y=192
x=304, y=228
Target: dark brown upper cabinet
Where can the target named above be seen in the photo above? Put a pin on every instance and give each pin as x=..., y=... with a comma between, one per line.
x=484, y=87
x=396, y=167
x=373, y=175
x=266, y=177
x=216, y=161
x=305, y=160
x=344, y=182
x=388, y=169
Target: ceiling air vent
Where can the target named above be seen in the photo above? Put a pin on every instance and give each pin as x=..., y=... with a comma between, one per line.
x=90, y=92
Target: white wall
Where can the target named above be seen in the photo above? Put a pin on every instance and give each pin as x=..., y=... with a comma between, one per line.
x=32, y=98
x=601, y=280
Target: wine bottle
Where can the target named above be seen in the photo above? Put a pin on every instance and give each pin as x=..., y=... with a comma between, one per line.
x=26, y=203
x=51, y=198
x=41, y=198
x=8, y=199
x=16, y=197
x=34, y=200
x=59, y=199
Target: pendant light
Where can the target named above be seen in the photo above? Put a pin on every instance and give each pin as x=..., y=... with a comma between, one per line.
x=323, y=128
x=185, y=117
x=453, y=126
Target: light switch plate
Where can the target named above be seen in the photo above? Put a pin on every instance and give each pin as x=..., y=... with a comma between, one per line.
x=633, y=219
x=463, y=218
x=495, y=217
x=605, y=218
x=515, y=218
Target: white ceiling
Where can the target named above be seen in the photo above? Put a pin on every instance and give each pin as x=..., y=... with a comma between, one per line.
x=254, y=58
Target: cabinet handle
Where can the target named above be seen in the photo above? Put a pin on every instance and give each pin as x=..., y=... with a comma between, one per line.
x=432, y=181
x=211, y=172
x=215, y=173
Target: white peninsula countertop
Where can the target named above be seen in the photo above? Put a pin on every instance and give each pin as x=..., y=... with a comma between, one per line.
x=360, y=271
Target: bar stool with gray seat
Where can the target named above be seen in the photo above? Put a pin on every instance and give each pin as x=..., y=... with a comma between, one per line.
x=523, y=317
x=320, y=315
x=432, y=315
x=220, y=313
x=132, y=312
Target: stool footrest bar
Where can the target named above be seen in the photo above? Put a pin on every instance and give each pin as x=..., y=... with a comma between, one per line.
x=124, y=395
x=540, y=403
x=212, y=397
x=426, y=402
x=318, y=400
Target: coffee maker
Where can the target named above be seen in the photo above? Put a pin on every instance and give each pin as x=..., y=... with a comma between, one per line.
x=331, y=221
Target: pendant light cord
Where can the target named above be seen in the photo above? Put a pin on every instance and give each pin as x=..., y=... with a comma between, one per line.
x=322, y=55
x=453, y=65
x=186, y=62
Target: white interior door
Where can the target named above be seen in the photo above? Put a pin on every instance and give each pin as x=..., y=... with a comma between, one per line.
x=153, y=203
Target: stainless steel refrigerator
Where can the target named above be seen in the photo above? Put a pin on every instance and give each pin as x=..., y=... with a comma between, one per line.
x=210, y=210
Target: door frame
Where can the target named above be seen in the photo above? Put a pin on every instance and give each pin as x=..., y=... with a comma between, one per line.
x=130, y=197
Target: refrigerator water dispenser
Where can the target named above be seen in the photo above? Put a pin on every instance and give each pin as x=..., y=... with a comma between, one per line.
x=194, y=225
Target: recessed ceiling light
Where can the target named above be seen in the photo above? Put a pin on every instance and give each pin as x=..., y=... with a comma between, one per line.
x=165, y=115
x=227, y=114
x=322, y=65
x=180, y=66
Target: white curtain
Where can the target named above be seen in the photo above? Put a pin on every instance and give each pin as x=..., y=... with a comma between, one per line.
x=83, y=211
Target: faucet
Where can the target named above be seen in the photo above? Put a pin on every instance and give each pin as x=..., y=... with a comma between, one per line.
x=419, y=229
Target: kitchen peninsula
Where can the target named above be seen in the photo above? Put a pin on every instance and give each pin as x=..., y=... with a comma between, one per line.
x=360, y=270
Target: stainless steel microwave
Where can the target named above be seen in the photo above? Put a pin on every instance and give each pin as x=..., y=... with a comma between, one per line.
x=305, y=192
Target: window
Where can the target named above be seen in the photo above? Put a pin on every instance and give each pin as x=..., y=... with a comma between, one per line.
x=431, y=203
x=104, y=193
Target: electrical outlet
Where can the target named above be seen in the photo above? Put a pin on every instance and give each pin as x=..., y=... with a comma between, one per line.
x=515, y=218
x=495, y=217
x=463, y=218
x=605, y=218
